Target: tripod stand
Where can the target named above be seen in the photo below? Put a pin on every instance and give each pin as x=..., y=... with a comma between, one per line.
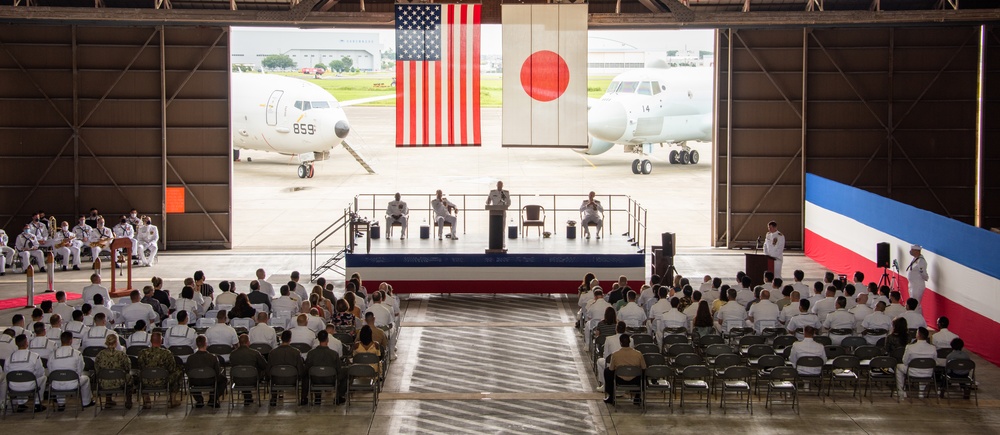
x=885, y=280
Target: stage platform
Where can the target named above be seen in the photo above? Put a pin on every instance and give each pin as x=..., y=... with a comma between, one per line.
x=531, y=265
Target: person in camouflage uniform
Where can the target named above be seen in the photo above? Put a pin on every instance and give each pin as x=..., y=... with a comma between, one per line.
x=159, y=357
x=112, y=358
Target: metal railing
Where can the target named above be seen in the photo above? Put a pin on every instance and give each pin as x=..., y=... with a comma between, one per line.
x=340, y=246
x=620, y=211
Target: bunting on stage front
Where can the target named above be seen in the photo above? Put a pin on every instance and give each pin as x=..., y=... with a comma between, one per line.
x=437, y=75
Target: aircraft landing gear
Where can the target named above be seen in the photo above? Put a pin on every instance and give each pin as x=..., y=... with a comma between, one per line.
x=236, y=155
x=693, y=157
x=647, y=167
x=306, y=171
x=674, y=157
x=635, y=167
x=686, y=156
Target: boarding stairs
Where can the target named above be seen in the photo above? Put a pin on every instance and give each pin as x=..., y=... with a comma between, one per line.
x=333, y=238
x=355, y=151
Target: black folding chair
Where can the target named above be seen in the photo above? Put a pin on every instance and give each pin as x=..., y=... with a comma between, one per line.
x=736, y=379
x=21, y=377
x=657, y=380
x=64, y=393
x=322, y=378
x=634, y=386
x=362, y=378
x=154, y=382
x=202, y=380
x=244, y=380
x=783, y=382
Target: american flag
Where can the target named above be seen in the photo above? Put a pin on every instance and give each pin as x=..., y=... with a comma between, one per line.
x=437, y=75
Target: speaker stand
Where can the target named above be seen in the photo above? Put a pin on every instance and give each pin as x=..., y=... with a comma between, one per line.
x=885, y=280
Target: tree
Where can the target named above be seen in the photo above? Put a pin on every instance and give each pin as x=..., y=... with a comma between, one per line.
x=348, y=63
x=319, y=65
x=336, y=65
x=278, y=61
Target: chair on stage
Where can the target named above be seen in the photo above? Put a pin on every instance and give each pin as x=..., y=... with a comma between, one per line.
x=532, y=216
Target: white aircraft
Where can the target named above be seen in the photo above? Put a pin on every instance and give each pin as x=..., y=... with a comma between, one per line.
x=655, y=104
x=287, y=116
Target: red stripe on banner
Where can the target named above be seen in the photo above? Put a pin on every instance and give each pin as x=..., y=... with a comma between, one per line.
x=413, y=103
x=464, y=65
x=400, y=89
x=979, y=332
x=451, y=72
x=437, y=103
x=479, y=287
x=476, y=133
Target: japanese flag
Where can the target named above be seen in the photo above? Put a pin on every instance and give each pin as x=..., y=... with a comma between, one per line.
x=545, y=75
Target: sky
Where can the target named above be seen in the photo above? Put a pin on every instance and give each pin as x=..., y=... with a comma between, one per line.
x=644, y=40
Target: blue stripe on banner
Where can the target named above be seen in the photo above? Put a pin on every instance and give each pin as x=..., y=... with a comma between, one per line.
x=485, y=260
x=973, y=247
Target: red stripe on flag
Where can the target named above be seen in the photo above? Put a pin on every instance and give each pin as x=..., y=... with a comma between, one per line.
x=400, y=88
x=413, y=103
x=425, y=100
x=451, y=73
x=476, y=133
x=464, y=65
x=437, y=103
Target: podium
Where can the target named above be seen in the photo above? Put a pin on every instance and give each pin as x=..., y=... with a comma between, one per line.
x=126, y=245
x=756, y=265
x=497, y=214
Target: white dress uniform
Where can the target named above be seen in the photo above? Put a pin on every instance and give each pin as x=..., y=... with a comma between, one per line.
x=25, y=360
x=72, y=248
x=806, y=348
x=916, y=274
x=138, y=311
x=127, y=232
x=41, y=232
x=263, y=333
x=28, y=247
x=138, y=338
x=42, y=346
x=592, y=214
x=442, y=215
x=148, y=236
x=67, y=358
x=98, y=234
x=774, y=246
x=82, y=232
x=96, y=289
x=801, y=321
x=95, y=337
x=839, y=319
x=763, y=311
x=876, y=320
x=396, y=211
x=7, y=251
x=919, y=349
x=632, y=314
x=180, y=335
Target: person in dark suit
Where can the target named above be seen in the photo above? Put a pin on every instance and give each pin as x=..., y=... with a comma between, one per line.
x=285, y=354
x=256, y=296
x=243, y=355
x=203, y=359
x=323, y=356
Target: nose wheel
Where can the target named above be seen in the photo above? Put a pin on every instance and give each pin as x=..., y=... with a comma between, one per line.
x=644, y=167
x=306, y=171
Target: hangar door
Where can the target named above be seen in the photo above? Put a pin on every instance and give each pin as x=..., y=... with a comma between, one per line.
x=117, y=118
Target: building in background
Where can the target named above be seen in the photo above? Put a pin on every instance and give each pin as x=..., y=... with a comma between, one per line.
x=250, y=46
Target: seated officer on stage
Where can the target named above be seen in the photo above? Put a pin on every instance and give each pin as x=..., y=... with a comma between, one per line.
x=396, y=212
x=443, y=209
x=592, y=213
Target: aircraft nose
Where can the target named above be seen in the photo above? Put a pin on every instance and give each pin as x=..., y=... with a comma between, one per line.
x=607, y=120
x=342, y=128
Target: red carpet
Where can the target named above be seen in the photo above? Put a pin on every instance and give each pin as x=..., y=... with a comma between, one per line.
x=7, y=304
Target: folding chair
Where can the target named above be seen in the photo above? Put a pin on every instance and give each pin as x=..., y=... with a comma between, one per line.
x=696, y=378
x=642, y=338
x=645, y=348
x=654, y=359
x=64, y=393
x=812, y=362
x=881, y=371
x=783, y=341
x=635, y=388
x=322, y=379
x=736, y=379
x=844, y=370
x=914, y=383
x=783, y=381
x=657, y=380
x=154, y=382
x=101, y=393
x=720, y=364
x=764, y=366
x=263, y=348
x=362, y=378
x=954, y=382
x=302, y=347
x=244, y=380
x=853, y=342
x=21, y=376
x=284, y=379
x=202, y=380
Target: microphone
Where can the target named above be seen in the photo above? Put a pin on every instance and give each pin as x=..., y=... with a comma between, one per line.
x=895, y=265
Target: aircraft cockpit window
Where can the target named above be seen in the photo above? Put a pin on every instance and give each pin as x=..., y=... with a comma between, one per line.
x=298, y=105
x=305, y=105
x=613, y=87
x=320, y=105
x=656, y=88
x=627, y=88
x=644, y=89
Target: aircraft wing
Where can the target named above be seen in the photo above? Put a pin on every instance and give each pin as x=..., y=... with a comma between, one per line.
x=366, y=100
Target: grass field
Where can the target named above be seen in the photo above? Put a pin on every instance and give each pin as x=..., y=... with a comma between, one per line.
x=363, y=85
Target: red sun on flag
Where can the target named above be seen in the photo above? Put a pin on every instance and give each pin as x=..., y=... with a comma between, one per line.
x=544, y=75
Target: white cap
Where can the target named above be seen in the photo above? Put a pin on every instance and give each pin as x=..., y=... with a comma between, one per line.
x=915, y=248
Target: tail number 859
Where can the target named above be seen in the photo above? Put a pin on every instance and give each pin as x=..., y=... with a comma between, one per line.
x=303, y=129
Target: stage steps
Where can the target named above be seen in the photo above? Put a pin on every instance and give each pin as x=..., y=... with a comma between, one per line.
x=340, y=244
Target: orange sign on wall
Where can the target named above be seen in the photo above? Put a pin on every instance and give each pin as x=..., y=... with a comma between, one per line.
x=175, y=199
